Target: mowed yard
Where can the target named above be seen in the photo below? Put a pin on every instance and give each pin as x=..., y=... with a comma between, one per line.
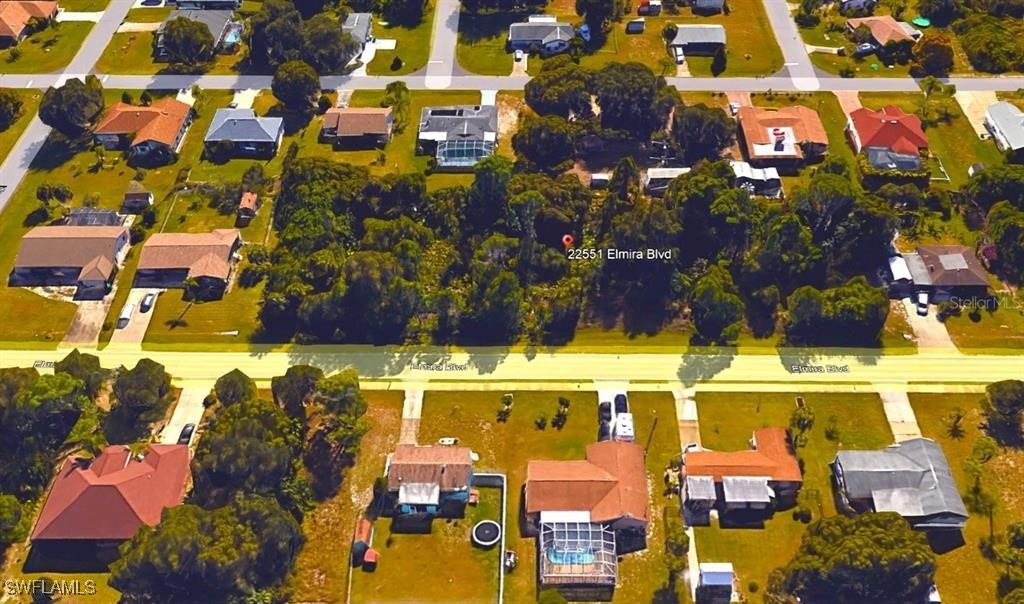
x=964, y=576
x=48, y=50
x=727, y=421
x=751, y=48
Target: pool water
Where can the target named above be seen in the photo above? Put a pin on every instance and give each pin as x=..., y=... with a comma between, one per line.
x=570, y=556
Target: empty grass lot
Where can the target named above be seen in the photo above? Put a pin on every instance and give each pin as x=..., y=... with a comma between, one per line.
x=727, y=421
x=953, y=142
x=964, y=576
x=321, y=570
x=412, y=46
x=29, y=105
x=84, y=5
x=990, y=329
x=46, y=51
x=132, y=53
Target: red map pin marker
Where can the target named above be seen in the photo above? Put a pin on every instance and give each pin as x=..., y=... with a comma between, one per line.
x=567, y=241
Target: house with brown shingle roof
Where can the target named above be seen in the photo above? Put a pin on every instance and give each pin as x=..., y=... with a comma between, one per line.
x=172, y=259
x=85, y=257
x=754, y=479
x=109, y=498
x=16, y=17
x=429, y=481
x=785, y=135
x=145, y=131
x=891, y=138
x=354, y=127
x=947, y=270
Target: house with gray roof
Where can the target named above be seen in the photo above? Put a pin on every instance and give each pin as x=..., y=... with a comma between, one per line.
x=543, y=31
x=458, y=136
x=911, y=478
x=241, y=133
x=947, y=270
x=694, y=40
x=225, y=30
x=1006, y=123
x=360, y=27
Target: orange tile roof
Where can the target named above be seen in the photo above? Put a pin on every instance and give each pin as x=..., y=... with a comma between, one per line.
x=758, y=122
x=358, y=121
x=248, y=201
x=772, y=458
x=160, y=122
x=884, y=29
x=114, y=495
x=610, y=484
x=15, y=15
x=890, y=128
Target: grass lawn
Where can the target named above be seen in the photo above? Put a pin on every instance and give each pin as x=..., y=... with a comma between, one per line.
x=86, y=5
x=481, y=43
x=132, y=53
x=177, y=321
x=988, y=329
x=412, y=46
x=964, y=576
x=16, y=557
x=30, y=104
x=954, y=142
x=1017, y=98
x=321, y=570
x=727, y=421
x=870, y=66
x=149, y=15
x=47, y=51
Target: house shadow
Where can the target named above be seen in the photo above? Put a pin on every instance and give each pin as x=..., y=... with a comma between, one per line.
x=743, y=519
x=70, y=557
x=943, y=542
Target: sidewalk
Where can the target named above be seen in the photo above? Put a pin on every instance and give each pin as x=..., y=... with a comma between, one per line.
x=412, y=408
x=689, y=432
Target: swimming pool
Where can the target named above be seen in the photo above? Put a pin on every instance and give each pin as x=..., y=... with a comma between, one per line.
x=570, y=556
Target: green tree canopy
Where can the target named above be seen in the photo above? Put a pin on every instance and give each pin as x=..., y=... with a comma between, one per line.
x=1003, y=408
x=853, y=313
x=10, y=108
x=188, y=42
x=199, y=555
x=933, y=54
x=294, y=389
x=296, y=85
x=544, y=142
x=235, y=387
x=703, y=132
x=873, y=557
x=716, y=306
x=74, y=107
x=85, y=367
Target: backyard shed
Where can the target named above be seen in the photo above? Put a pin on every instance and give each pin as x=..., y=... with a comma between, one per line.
x=370, y=560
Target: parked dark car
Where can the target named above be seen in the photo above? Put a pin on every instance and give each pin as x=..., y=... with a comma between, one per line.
x=186, y=434
x=147, y=302
x=604, y=411
x=621, y=405
x=604, y=431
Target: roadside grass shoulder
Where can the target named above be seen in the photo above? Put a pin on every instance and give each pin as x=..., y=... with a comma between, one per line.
x=132, y=53
x=727, y=421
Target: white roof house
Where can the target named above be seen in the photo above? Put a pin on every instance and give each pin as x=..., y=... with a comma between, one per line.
x=1006, y=123
x=716, y=573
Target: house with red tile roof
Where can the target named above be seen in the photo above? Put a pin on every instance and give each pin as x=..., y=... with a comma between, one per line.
x=753, y=479
x=111, y=497
x=16, y=19
x=145, y=131
x=884, y=29
x=891, y=138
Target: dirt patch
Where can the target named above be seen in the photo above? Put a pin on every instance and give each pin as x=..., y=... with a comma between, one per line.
x=510, y=108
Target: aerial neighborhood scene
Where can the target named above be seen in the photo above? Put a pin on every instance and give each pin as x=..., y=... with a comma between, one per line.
x=482, y=301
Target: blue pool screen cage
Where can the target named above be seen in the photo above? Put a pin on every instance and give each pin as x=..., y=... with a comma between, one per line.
x=462, y=153
x=577, y=553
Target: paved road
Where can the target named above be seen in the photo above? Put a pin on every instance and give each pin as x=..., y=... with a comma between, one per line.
x=489, y=367
x=442, y=64
x=794, y=53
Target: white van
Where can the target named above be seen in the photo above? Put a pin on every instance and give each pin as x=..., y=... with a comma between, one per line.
x=125, y=316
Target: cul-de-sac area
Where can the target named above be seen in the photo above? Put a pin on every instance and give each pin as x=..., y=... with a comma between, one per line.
x=429, y=301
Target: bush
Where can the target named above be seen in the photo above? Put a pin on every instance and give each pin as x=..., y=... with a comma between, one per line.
x=753, y=586
x=847, y=72
x=323, y=103
x=808, y=21
x=802, y=513
x=397, y=63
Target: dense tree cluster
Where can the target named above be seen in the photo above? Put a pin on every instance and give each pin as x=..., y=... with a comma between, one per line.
x=74, y=107
x=1000, y=192
x=854, y=313
x=225, y=554
x=296, y=85
x=278, y=33
x=933, y=55
x=256, y=470
x=1003, y=408
x=873, y=557
x=990, y=45
x=141, y=396
x=10, y=108
x=188, y=42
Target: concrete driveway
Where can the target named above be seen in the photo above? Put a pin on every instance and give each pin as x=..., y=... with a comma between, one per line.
x=930, y=333
x=849, y=100
x=519, y=67
x=900, y=415
x=135, y=331
x=243, y=99
x=137, y=27
x=974, y=104
x=189, y=410
x=88, y=322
